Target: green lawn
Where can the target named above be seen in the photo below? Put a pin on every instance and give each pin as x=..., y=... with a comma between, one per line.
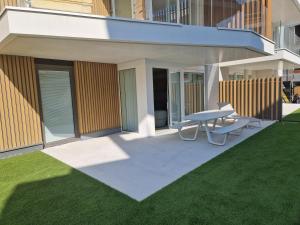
x=294, y=117
x=256, y=182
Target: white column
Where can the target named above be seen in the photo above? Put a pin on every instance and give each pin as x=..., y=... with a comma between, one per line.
x=212, y=73
x=145, y=103
x=149, y=11
x=280, y=68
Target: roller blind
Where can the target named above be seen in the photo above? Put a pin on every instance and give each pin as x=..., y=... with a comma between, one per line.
x=56, y=104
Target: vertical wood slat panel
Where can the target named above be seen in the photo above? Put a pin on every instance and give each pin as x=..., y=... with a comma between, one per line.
x=140, y=9
x=4, y=3
x=20, y=124
x=268, y=16
x=259, y=98
x=102, y=7
x=97, y=94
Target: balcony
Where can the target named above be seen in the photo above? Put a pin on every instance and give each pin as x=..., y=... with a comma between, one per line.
x=287, y=37
x=254, y=15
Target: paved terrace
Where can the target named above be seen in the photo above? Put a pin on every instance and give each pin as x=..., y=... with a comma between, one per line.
x=139, y=167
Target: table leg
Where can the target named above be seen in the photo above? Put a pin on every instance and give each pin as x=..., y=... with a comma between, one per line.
x=195, y=135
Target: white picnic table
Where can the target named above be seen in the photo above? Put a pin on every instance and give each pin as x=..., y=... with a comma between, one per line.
x=202, y=119
x=209, y=115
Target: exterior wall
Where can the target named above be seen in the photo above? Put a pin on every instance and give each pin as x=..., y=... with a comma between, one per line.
x=102, y=7
x=98, y=7
x=97, y=95
x=145, y=108
x=80, y=6
x=4, y=3
x=20, y=124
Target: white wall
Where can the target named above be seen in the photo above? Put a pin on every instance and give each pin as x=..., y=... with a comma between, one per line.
x=145, y=97
x=146, y=124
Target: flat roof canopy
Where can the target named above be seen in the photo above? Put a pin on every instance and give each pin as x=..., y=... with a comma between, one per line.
x=71, y=36
x=290, y=62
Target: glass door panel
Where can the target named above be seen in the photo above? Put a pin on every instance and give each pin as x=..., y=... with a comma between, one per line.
x=128, y=100
x=57, y=105
x=123, y=8
x=164, y=10
x=174, y=98
x=193, y=92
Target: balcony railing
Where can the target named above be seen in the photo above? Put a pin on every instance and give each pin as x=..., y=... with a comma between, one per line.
x=237, y=14
x=286, y=37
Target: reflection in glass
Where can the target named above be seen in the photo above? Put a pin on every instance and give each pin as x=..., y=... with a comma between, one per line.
x=164, y=10
x=123, y=8
x=175, y=97
x=234, y=14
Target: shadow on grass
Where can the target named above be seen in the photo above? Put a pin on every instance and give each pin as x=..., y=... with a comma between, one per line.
x=70, y=199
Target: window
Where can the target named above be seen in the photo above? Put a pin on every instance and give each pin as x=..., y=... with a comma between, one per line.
x=123, y=8
x=164, y=10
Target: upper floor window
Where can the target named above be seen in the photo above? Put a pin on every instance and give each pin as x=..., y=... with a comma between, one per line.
x=235, y=14
x=164, y=10
x=123, y=8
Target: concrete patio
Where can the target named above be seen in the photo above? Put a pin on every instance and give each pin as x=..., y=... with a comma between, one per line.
x=137, y=166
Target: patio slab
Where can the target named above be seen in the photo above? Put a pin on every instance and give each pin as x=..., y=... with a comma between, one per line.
x=138, y=166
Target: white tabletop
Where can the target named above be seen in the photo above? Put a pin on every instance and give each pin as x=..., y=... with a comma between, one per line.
x=209, y=115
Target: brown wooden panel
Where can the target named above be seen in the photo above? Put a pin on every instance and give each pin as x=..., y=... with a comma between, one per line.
x=20, y=124
x=268, y=18
x=102, y=7
x=97, y=96
x=259, y=98
x=4, y=3
x=140, y=9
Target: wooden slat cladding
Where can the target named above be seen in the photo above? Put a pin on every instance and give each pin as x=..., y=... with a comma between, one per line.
x=259, y=98
x=140, y=9
x=102, y=7
x=80, y=6
x=97, y=95
x=255, y=15
x=19, y=109
x=194, y=99
x=4, y=3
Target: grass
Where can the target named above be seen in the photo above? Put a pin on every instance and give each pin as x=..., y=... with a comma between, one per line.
x=256, y=182
x=293, y=117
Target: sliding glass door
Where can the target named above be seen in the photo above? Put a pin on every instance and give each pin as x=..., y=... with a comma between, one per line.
x=57, y=106
x=174, y=98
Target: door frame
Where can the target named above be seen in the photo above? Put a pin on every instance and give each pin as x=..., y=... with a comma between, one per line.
x=41, y=64
x=181, y=80
x=180, y=70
